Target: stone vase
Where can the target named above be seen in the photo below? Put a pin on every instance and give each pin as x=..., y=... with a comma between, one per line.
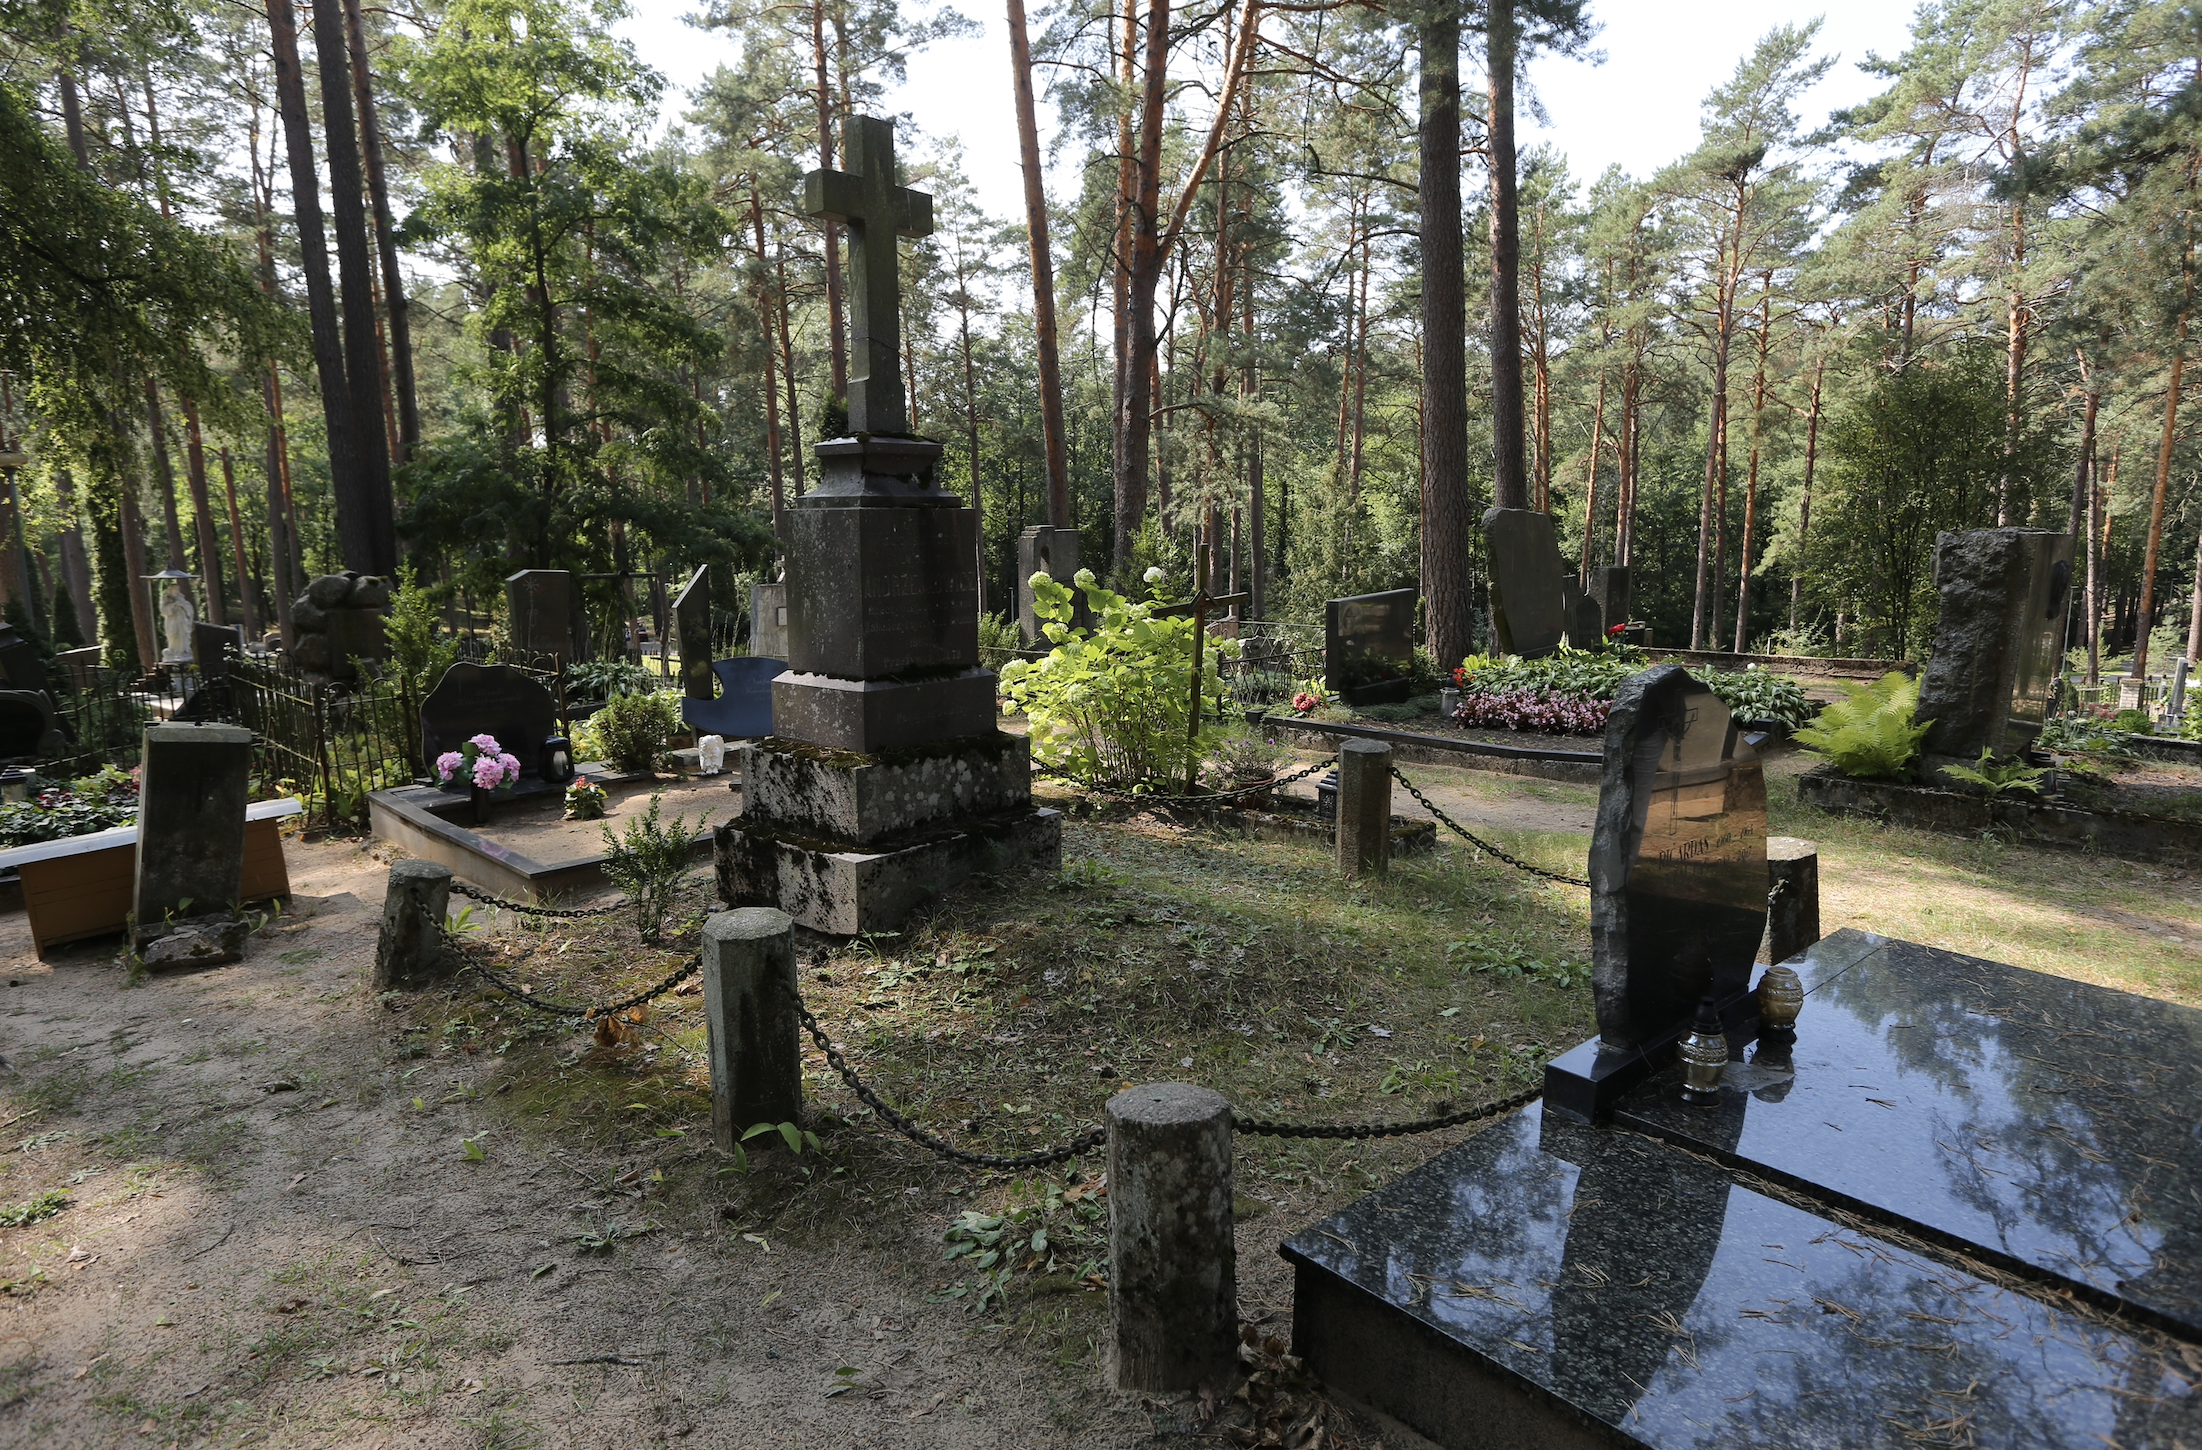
x=480, y=799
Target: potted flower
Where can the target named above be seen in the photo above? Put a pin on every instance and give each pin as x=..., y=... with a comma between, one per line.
x=1247, y=764
x=585, y=800
x=484, y=767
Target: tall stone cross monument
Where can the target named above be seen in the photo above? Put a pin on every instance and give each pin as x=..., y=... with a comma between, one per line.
x=884, y=781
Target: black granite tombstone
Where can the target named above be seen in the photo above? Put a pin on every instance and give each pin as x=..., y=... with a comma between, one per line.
x=1527, y=614
x=1368, y=646
x=1678, y=883
x=497, y=700
x=19, y=666
x=692, y=617
x=28, y=725
x=1610, y=587
x=215, y=646
x=1585, y=622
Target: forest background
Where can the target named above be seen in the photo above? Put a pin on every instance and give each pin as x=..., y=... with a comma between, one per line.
x=287, y=289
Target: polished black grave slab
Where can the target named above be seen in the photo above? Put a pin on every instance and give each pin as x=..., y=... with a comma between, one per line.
x=1555, y=1284
x=2042, y=1124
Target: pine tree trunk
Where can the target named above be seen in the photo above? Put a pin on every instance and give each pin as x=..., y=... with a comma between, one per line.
x=1448, y=531
x=1052, y=432
x=386, y=240
x=1804, y=500
x=2145, y=616
x=1590, y=481
x=76, y=566
x=202, y=511
x=1751, y=484
x=1146, y=274
x=248, y=614
x=1129, y=499
x=830, y=233
x=1509, y=476
x=772, y=396
x=164, y=473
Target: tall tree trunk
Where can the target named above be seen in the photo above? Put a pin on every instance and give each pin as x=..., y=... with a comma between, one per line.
x=1447, y=530
x=830, y=232
x=76, y=565
x=1509, y=476
x=1751, y=482
x=2098, y=564
x=2145, y=618
x=164, y=473
x=202, y=510
x=1624, y=520
x=2014, y=364
x=386, y=239
x=1804, y=498
x=1146, y=266
x=132, y=526
x=1541, y=389
x=772, y=396
x=787, y=363
x=1590, y=481
x=366, y=514
x=1043, y=275
x=245, y=610
x=1128, y=504
x=328, y=342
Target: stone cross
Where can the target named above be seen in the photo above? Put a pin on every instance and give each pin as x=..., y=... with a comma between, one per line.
x=866, y=200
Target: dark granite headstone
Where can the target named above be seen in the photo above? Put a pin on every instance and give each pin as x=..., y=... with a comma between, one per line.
x=882, y=591
x=692, y=618
x=215, y=646
x=1527, y=613
x=2004, y=594
x=1585, y=622
x=191, y=820
x=1368, y=646
x=544, y=613
x=82, y=666
x=28, y=725
x=498, y=700
x=1610, y=587
x=19, y=666
x=744, y=711
x=768, y=620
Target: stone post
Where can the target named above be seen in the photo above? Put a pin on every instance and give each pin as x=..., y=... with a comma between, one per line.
x=749, y=1010
x=191, y=821
x=1364, y=808
x=1793, y=911
x=1173, y=1271
x=410, y=951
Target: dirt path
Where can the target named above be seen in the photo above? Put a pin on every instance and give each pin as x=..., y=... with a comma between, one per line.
x=274, y=1234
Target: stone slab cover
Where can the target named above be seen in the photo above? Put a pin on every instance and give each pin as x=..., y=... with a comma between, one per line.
x=2004, y=593
x=1368, y=646
x=191, y=819
x=874, y=592
x=1524, y=557
x=472, y=699
x=1677, y=858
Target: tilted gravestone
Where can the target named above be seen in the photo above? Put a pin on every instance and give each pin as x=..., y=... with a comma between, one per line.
x=692, y=617
x=495, y=700
x=2004, y=593
x=191, y=820
x=1678, y=882
x=1368, y=646
x=544, y=615
x=1527, y=612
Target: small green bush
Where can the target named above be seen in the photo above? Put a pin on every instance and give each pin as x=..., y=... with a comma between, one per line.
x=1995, y=777
x=648, y=861
x=2132, y=722
x=418, y=645
x=1870, y=733
x=608, y=679
x=631, y=730
x=1759, y=695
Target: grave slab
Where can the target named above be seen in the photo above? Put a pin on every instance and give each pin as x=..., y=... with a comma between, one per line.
x=1553, y=1284
x=1368, y=646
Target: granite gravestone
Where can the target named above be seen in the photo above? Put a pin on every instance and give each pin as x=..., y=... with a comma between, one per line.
x=2004, y=594
x=1610, y=588
x=1584, y=627
x=1368, y=646
x=1043, y=549
x=28, y=726
x=1527, y=612
x=496, y=700
x=768, y=620
x=1678, y=883
x=216, y=645
x=544, y=614
x=191, y=820
x=692, y=617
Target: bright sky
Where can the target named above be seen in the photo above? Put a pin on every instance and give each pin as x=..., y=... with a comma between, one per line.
x=1639, y=109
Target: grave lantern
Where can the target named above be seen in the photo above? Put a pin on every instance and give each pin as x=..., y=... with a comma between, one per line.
x=557, y=762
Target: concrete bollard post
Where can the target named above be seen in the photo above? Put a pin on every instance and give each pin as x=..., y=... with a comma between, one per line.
x=1173, y=1272
x=1793, y=912
x=750, y=1013
x=410, y=953
x=1364, y=807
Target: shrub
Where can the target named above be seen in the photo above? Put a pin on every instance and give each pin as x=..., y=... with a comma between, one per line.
x=608, y=679
x=999, y=640
x=1244, y=755
x=1996, y=777
x=415, y=633
x=631, y=730
x=2132, y=722
x=648, y=862
x=1759, y=695
x=1107, y=705
x=1546, y=713
x=1870, y=733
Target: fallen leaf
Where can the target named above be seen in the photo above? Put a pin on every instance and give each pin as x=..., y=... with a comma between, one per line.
x=759, y=1241
x=547, y=1268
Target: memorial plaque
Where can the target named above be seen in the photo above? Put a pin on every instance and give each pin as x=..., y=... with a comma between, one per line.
x=874, y=592
x=1368, y=646
x=692, y=618
x=1527, y=614
x=496, y=700
x=544, y=614
x=1677, y=859
x=768, y=620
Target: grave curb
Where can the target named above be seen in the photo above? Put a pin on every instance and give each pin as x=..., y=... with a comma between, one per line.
x=2127, y=834
x=479, y=861
x=1576, y=767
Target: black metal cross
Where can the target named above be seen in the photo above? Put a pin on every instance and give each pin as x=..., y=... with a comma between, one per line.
x=866, y=200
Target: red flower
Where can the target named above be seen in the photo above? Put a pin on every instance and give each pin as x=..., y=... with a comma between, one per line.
x=1616, y=629
x=1304, y=702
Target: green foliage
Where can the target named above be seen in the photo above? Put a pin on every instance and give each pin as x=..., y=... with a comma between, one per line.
x=1759, y=695
x=2082, y=733
x=1870, y=733
x=648, y=862
x=2133, y=722
x=1243, y=754
x=46, y=1205
x=1590, y=674
x=608, y=679
x=1108, y=705
x=631, y=730
x=585, y=800
x=1995, y=777
x=417, y=644
x=1056, y=1229
x=95, y=803
x=998, y=639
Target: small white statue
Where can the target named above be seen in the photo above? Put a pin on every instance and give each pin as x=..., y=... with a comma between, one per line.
x=711, y=753
x=177, y=617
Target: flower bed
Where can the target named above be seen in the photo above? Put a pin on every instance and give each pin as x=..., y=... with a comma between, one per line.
x=94, y=803
x=1541, y=711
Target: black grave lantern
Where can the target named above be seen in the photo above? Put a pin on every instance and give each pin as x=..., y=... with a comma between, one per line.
x=557, y=762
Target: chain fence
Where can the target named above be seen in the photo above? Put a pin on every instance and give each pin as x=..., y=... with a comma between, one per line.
x=1477, y=841
x=1208, y=798
x=521, y=908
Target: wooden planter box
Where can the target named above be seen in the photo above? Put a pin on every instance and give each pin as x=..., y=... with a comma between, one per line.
x=81, y=886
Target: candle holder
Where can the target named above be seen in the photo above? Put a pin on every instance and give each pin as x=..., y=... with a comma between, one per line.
x=1704, y=1055
x=1780, y=999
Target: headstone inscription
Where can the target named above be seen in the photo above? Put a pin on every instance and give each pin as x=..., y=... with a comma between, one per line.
x=2003, y=598
x=497, y=700
x=1527, y=614
x=692, y=617
x=768, y=619
x=544, y=614
x=1678, y=882
x=191, y=820
x=1043, y=549
x=1368, y=646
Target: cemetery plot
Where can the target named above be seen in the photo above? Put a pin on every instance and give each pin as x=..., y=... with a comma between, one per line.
x=537, y=827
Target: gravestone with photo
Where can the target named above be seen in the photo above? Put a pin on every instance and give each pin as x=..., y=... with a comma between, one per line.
x=496, y=700
x=2004, y=595
x=886, y=780
x=1368, y=647
x=1528, y=615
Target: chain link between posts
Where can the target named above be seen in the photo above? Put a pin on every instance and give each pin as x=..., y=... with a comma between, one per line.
x=1477, y=841
x=1156, y=798
x=521, y=908
x=567, y=1009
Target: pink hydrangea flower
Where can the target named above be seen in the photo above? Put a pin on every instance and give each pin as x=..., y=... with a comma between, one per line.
x=511, y=764
x=487, y=774
x=448, y=764
x=486, y=743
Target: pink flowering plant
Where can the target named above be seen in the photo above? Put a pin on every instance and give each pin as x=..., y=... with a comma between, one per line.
x=481, y=763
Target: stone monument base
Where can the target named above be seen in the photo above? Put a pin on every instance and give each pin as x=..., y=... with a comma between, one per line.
x=846, y=890
x=874, y=716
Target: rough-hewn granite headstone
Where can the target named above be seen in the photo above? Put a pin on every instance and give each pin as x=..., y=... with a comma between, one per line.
x=1368, y=646
x=1610, y=587
x=2004, y=593
x=692, y=618
x=339, y=619
x=544, y=614
x=1585, y=627
x=191, y=819
x=1043, y=549
x=1526, y=609
x=768, y=620
x=499, y=700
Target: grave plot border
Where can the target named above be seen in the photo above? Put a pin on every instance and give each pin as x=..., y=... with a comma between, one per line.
x=2130, y=835
x=1576, y=767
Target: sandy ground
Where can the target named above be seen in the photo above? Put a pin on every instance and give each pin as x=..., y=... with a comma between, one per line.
x=268, y=1242
x=538, y=827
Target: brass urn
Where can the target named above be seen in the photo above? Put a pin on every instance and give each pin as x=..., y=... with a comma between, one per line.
x=1780, y=999
x=1704, y=1055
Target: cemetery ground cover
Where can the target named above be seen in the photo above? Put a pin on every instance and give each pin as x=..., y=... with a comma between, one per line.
x=291, y=1213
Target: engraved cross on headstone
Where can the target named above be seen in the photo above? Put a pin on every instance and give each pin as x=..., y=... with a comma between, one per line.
x=866, y=200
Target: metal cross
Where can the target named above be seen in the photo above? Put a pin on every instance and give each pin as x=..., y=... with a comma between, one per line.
x=866, y=200
x=1198, y=607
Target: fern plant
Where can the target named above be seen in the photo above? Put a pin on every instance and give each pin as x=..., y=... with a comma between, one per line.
x=1870, y=733
x=1996, y=778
